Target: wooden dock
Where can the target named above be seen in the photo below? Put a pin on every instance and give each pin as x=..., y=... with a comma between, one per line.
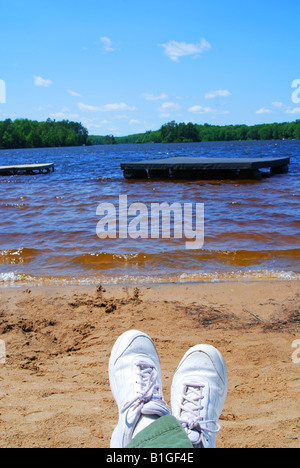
x=30, y=169
x=205, y=168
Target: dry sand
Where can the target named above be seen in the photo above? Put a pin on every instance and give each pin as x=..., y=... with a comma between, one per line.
x=54, y=386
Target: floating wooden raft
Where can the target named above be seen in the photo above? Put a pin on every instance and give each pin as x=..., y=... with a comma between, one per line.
x=204, y=168
x=27, y=169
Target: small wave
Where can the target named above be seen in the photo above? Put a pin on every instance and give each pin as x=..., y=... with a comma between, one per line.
x=104, y=179
x=109, y=259
x=17, y=256
x=13, y=279
x=180, y=260
x=15, y=205
x=250, y=275
x=21, y=280
x=247, y=257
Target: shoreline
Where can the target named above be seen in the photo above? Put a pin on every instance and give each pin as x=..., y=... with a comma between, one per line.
x=140, y=281
x=54, y=386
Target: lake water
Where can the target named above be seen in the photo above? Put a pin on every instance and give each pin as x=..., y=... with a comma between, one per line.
x=48, y=222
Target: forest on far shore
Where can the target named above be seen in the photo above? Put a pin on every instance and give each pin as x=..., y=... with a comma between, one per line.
x=173, y=132
x=24, y=133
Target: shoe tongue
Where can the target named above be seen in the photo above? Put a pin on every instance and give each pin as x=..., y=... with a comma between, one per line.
x=156, y=407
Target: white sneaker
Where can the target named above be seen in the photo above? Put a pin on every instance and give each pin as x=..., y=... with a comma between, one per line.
x=136, y=384
x=198, y=394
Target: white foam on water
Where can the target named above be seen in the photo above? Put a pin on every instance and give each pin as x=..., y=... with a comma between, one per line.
x=12, y=279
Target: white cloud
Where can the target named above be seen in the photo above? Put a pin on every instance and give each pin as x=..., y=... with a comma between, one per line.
x=117, y=107
x=198, y=109
x=286, y=109
x=107, y=44
x=73, y=93
x=64, y=116
x=279, y=105
x=42, y=108
x=169, y=107
x=218, y=93
x=94, y=123
x=207, y=110
x=153, y=97
x=174, y=50
x=263, y=110
x=86, y=107
x=41, y=82
x=295, y=110
x=106, y=108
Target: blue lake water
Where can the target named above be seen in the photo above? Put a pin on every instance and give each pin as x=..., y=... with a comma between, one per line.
x=48, y=222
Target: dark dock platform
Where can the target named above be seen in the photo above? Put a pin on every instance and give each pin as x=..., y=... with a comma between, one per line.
x=205, y=168
x=30, y=169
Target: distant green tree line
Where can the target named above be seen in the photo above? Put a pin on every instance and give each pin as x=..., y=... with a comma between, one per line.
x=173, y=132
x=177, y=133
x=24, y=133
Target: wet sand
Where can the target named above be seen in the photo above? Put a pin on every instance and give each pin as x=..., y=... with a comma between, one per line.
x=54, y=386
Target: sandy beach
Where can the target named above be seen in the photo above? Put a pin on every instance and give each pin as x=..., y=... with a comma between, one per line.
x=54, y=386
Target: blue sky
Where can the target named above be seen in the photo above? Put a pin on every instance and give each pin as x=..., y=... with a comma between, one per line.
x=127, y=66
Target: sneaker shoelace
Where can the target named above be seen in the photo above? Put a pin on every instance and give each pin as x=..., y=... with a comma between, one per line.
x=149, y=390
x=190, y=413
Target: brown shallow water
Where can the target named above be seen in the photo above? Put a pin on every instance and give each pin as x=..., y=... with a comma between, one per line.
x=48, y=222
